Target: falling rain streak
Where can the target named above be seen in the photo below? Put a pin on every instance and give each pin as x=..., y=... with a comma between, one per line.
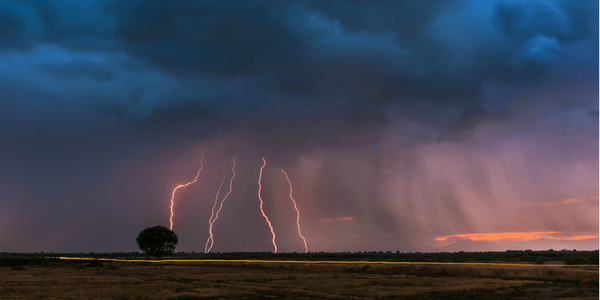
x=389, y=171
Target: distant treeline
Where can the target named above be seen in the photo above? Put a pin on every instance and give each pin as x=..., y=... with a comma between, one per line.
x=569, y=257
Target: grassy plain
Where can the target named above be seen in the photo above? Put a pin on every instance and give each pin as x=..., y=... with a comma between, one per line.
x=53, y=279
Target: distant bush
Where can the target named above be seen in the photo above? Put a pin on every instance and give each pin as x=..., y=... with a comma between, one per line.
x=157, y=241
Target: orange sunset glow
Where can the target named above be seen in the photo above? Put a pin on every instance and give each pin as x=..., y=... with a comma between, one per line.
x=564, y=201
x=520, y=236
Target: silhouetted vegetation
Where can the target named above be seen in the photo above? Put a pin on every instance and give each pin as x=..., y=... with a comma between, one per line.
x=569, y=257
x=157, y=241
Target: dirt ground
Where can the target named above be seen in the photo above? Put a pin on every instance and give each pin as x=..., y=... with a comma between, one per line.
x=118, y=280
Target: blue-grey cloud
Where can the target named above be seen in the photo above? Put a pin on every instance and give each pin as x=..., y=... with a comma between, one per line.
x=215, y=60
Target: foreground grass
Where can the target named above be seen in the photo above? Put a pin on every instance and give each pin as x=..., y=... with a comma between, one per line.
x=119, y=280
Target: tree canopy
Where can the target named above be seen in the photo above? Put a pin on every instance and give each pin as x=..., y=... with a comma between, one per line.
x=157, y=241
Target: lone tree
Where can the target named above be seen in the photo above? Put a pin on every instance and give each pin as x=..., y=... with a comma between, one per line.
x=157, y=241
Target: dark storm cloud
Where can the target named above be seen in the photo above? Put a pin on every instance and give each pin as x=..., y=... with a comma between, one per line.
x=70, y=23
x=335, y=56
x=339, y=60
x=24, y=22
x=283, y=76
x=539, y=31
x=227, y=38
x=566, y=21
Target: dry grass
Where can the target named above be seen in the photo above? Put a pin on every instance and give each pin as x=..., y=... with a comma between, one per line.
x=181, y=281
x=580, y=276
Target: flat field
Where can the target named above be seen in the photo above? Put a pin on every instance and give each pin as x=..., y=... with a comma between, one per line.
x=52, y=279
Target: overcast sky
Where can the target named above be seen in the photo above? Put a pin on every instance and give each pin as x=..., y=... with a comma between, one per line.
x=403, y=125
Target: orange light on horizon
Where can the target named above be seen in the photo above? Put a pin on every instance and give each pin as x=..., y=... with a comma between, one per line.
x=574, y=238
x=523, y=236
x=564, y=201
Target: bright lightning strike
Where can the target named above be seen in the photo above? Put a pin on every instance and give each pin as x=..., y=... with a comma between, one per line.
x=297, y=211
x=261, y=203
x=212, y=215
x=183, y=185
x=220, y=207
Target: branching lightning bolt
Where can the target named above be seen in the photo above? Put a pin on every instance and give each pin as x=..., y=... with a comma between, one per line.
x=212, y=214
x=184, y=185
x=297, y=211
x=261, y=204
x=220, y=207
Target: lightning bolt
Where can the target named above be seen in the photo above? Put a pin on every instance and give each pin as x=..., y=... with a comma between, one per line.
x=183, y=185
x=297, y=211
x=212, y=215
x=261, y=203
x=220, y=207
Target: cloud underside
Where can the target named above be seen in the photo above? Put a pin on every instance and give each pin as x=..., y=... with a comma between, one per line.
x=331, y=63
